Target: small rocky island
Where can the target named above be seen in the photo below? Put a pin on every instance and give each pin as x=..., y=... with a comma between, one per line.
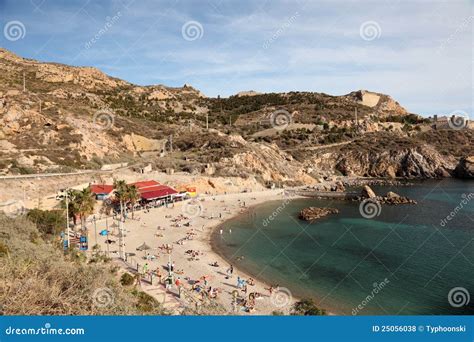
x=390, y=198
x=312, y=214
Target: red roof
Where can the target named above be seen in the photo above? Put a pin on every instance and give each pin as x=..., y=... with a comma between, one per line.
x=151, y=188
x=145, y=184
x=158, y=192
x=99, y=189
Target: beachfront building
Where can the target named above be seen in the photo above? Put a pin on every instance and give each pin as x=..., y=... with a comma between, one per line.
x=158, y=195
x=151, y=193
x=101, y=191
x=154, y=193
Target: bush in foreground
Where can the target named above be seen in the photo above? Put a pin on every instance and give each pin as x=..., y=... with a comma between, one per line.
x=37, y=278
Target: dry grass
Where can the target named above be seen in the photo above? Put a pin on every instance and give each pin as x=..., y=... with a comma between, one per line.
x=36, y=278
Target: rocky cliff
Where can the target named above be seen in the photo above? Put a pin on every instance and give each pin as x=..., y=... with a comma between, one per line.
x=55, y=117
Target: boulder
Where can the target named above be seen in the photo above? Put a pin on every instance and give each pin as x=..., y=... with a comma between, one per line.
x=394, y=198
x=392, y=194
x=338, y=186
x=465, y=168
x=367, y=192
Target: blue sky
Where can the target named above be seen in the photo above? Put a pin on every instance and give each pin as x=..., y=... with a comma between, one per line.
x=419, y=52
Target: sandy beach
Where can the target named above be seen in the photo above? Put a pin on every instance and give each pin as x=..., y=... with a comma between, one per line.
x=203, y=216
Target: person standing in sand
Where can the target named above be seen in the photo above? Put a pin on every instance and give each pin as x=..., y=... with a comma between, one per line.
x=229, y=271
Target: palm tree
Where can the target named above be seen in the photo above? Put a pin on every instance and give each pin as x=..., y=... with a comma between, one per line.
x=133, y=195
x=80, y=203
x=86, y=202
x=73, y=204
x=121, y=194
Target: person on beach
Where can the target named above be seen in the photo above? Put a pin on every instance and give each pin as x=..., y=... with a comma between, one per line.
x=270, y=290
x=229, y=272
x=137, y=280
x=169, y=282
x=158, y=274
x=178, y=285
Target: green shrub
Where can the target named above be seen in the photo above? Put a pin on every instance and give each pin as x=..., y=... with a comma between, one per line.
x=48, y=222
x=127, y=279
x=307, y=307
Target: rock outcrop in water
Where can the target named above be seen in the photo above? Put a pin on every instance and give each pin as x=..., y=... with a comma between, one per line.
x=393, y=198
x=390, y=198
x=312, y=214
x=465, y=168
x=367, y=192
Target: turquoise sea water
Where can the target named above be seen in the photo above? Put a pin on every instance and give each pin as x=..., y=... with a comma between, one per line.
x=341, y=259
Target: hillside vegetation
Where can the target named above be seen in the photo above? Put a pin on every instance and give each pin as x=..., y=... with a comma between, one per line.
x=59, y=118
x=36, y=278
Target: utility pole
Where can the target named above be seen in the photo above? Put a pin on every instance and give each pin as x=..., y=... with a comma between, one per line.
x=95, y=230
x=67, y=219
x=24, y=82
x=108, y=239
x=121, y=240
x=207, y=121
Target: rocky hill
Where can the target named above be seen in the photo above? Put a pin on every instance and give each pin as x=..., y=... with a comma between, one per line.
x=55, y=117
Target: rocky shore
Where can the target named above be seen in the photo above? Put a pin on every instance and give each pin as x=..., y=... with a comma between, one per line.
x=312, y=214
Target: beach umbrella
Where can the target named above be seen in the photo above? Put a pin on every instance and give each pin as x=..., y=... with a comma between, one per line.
x=143, y=247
